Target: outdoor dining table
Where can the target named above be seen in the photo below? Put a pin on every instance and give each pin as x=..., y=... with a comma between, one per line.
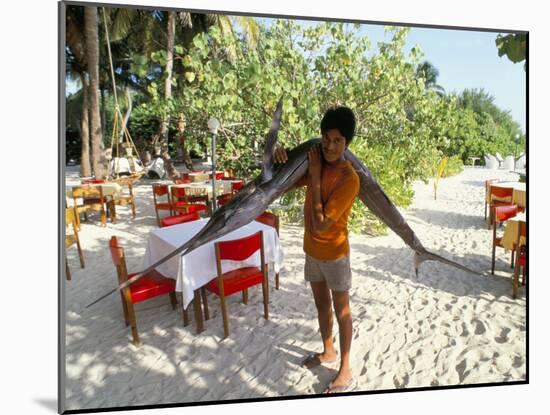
x=510, y=235
x=519, y=195
x=109, y=189
x=204, y=188
x=192, y=271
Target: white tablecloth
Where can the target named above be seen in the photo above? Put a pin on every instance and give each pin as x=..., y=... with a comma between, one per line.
x=196, y=269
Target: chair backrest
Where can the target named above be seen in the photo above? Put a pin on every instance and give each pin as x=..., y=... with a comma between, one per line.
x=505, y=212
x=219, y=176
x=177, y=219
x=160, y=189
x=178, y=193
x=236, y=186
x=269, y=219
x=88, y=192
x=501, y=192
x=240, y=249
x=117, y=254
x=93, y=181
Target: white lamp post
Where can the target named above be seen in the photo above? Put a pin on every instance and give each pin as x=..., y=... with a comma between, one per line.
x=213, y=126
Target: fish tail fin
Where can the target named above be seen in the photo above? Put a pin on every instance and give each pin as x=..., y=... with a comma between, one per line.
x=271, y=140
x=425, y=255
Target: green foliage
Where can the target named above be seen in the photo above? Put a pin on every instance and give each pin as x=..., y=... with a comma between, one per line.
x=514, y=46
x=404, y=126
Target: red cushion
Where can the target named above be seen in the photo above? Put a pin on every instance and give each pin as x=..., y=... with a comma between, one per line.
x=150, y=285
x=237, y=280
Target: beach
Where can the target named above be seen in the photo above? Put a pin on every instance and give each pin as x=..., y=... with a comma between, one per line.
x=442, y=327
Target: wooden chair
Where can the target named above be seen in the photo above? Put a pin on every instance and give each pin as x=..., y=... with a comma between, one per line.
x=177, y=219
x=72, y=239
x=488, y=184
x=95, y=202
x=501, y=214
x=521, y=258
x=272, y=220
x=124, y=200
x=149, y=286
x=187, y=204
x=241, y=279
x=498, y=196
x=160, y=190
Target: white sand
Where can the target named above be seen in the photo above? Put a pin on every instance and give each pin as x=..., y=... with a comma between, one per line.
x=446, y=327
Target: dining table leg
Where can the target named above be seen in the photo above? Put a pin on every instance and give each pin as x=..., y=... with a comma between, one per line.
x=198, y=311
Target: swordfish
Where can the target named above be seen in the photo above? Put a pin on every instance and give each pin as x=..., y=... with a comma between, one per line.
x=276, y=179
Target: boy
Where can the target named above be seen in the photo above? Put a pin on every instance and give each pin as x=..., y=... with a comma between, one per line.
x=332, y=186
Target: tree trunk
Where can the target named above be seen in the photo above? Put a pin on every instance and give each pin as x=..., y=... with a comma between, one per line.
x=99, y=161
x=103, y=109
x=85, y=168
x=171, y=34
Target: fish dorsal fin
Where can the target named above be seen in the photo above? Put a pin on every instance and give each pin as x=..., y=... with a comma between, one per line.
x=271, y=140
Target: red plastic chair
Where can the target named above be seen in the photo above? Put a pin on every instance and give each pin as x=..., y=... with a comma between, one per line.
x=272, y=220
x=149, y=286
x=521, y=259
x=177, y=219
x=186, y=204
x=498, y=196
x=501, y=214
x=183, y=181
x=241, y=279
x=161, y=190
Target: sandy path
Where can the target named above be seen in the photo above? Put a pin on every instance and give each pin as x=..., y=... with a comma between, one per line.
x=445, y=327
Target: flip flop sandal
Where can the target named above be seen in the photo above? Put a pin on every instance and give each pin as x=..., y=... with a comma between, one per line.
x=339, y=389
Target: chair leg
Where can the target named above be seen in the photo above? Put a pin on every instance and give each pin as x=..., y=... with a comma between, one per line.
x=112, y=212
x=158, y=218
x=125, y=310
x=277, y=281
x=67, y=270
x=173, y=300
x=493, y=255
x=512, y=259
x=515, y=281
x=198, y=312
x=185, y=316
x=265, y=292
x=77, y=218
x=224, y=316
x=133, y=324
x=205, y=303
x=245, y=296
x=103, y=217
x=133, y=209
x=80, y=254
x=485, y=210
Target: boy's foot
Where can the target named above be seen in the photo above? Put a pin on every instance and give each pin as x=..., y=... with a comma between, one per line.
x=340, y=388
x=315, y=359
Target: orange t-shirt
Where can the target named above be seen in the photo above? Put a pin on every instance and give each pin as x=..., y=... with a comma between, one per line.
x=339, y=187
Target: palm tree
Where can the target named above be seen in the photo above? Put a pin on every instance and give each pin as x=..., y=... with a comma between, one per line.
x=429, y=73
x=99, y=161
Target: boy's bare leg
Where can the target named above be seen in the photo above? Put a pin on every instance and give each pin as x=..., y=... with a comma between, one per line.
x=321, y=294
x=343, y=316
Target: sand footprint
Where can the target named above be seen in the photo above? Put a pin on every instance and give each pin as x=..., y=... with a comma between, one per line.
x=480, y=327
x=503, y=338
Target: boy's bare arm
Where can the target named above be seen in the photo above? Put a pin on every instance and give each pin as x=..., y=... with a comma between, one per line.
x=280, y=156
